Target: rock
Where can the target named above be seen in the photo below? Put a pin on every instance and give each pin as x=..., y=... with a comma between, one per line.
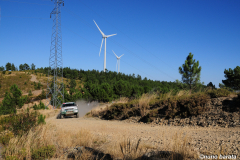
x=77, y=151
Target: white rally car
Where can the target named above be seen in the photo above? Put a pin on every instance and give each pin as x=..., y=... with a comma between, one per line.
x=69, y=109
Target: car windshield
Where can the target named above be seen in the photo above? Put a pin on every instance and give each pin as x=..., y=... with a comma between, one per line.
x=68, y=104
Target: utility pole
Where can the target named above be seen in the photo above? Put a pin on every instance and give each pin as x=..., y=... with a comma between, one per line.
x=55, y=86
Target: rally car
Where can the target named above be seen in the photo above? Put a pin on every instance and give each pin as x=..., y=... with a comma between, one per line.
x=69, y=109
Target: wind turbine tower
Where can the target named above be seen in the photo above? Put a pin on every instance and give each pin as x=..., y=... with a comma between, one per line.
x=118, y=62
x=104, y=37
x=55, y=71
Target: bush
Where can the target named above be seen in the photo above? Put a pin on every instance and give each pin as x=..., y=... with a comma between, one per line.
x=37, y=86
x=9, y=72
x=38, y=107
x=21, y=123
x=41, y=119
x=187, y=107
x=43, y=94
x=43, y=152
x=7, y=106
x=5, y=137
x=4, y=72
x=25, y=83
x=30, y=92
x=219, y=93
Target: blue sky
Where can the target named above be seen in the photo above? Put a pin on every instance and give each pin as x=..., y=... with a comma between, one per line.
x=155, y=36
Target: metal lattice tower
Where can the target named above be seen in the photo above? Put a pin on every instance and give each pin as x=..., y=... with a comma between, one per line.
x=55, y=72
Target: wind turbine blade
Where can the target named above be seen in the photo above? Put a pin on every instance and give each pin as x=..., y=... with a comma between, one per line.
x=99, y=29
x=100, y=47
x=115, y=54
x=121, y=56
x=111, y=35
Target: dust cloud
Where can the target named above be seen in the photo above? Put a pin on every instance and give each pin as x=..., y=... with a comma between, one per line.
x=85, y=107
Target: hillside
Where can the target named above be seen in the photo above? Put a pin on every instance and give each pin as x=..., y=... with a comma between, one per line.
x=198, y=109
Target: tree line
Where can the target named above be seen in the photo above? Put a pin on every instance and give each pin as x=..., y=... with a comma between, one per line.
x=11, y=67
x=107, y=86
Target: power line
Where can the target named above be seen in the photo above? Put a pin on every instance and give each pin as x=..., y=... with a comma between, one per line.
x=25, y=17
x=125, y=48
x=127, y=35
x=107, y=52
x=26, y=2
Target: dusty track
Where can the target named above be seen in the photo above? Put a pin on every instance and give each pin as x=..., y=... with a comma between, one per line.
x=202, y=140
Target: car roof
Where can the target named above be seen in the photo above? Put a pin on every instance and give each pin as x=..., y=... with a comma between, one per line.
x=68, y=102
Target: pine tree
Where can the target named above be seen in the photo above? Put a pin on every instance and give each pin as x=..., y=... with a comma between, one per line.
x=210, y=84
x=72, y=84
x=1, y=68
x=232, y=78
x=7, y=106
x=13, y=68
x=33, y=67
x=8, y=66
x=190, y=71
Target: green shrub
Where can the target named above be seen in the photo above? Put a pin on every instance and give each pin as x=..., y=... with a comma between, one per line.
x=7, y=106
x=9, y=72
x=41, y=119
x=25, y=83
x=187, y=106
x=43, y=94
x=21, y=123
x=20, y=77
x=30, y=92
x=219, y=93
x=37, y=86
x=43, y=152
x=40, y=106
x=5, y=137
x=4, y=72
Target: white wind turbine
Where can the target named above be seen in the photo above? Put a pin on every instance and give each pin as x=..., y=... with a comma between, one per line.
x=104, y=38
x=118, y=61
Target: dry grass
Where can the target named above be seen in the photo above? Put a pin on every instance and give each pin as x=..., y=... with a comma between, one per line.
x=21, y=79
x=121, y=147
x=21, y=147
x=131, y=150
x=181, y=147
x=183, y=92
x=144, y=101
x=44, y=79
x=8, y=80
x=105, y=106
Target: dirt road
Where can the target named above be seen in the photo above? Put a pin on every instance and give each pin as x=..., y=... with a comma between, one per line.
x=202, y=140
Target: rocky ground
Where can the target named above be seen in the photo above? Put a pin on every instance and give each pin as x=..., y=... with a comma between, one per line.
x=202, y=140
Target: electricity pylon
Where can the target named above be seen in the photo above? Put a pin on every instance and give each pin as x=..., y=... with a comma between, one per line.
x=55, y=71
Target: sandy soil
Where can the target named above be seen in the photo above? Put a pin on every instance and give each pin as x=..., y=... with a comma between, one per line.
x=34, y=78
x=205, y=141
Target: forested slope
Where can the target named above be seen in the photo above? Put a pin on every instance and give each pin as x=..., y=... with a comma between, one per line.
x=106, y=86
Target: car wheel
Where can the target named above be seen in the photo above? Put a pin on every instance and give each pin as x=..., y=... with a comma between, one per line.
x=62, y=116
x=77, y=115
